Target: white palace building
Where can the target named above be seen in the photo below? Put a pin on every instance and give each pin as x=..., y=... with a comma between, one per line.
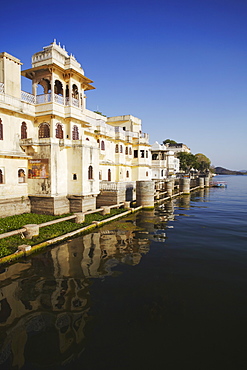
x=56, y=156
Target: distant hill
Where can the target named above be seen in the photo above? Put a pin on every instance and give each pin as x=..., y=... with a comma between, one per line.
x=224, y=171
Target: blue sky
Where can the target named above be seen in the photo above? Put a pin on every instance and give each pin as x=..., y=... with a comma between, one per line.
x=179, y=65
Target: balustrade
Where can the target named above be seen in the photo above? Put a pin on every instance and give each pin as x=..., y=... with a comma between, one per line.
x=1, y=88
x=43, y=98
x=39, y=99
x=75, y=102
x=27, y=97
x=108, y=187
x=59, y=99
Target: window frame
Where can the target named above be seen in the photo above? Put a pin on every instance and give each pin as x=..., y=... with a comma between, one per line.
x=23, y=130
x=75, y=132
x=24, y=181
x=2, y=176
x=90, y=172
x=59, y=134
x=44, y=131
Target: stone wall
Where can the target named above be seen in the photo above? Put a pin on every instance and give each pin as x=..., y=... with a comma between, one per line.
x=49, y=205
x=14, y=206
x=82, y=203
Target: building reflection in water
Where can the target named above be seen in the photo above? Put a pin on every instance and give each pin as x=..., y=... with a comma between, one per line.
x=45, y=300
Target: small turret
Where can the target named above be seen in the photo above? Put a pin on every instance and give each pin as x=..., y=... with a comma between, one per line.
x=56, y=54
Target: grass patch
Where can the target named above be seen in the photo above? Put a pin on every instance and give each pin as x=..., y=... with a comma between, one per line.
x=17, y=222
x=9, y=245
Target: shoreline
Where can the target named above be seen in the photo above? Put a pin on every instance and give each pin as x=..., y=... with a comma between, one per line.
x=14, y=257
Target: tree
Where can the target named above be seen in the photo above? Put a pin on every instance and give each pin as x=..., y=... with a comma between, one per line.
x=187, y=161
x=168, y=141
x=202, y=162
x=198, y=161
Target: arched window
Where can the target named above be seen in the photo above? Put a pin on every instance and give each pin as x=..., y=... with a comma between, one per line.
x=1, y=130
x=44, y=130
x=146, y=153
x=90, y=173
x=162, y=172
x=46, y=84
x=127, y=174
x=21, y=176
x=75, y=133
x=109, y=175
x=126, y=150
x=1, y=176
x=116, y=149
x=59, y=131
x=58, y=88
x=121, y=148
x=102, y=145
x=23, y=130
x=75, y=92
x=130, y=150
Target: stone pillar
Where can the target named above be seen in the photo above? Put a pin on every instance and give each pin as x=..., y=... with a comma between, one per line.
x=207, y=181
x=186, y=185
x=24, y=248
x=31, y=230
x=64, y=94
x=80, y=218
x=52, y=87
x=169, y=187
x=145, y=194
x=127, y=205
x=201, y=182
x=34, y=90
x=106, y=211
x=70, y=91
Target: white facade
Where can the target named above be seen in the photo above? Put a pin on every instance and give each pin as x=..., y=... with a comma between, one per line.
x=53, y=150
x=164, y=162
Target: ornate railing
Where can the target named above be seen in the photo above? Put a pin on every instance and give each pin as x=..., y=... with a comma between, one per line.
x=59, y=99
x=27, y=97
x=41, y=99
x=44, y=98
x=75, y=102
x=111, y=186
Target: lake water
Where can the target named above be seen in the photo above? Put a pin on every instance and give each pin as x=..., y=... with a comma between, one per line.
x=162, y=289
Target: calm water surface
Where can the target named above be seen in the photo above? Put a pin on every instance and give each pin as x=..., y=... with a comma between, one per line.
x=162, y=289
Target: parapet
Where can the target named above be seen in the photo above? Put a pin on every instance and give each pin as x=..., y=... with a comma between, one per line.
x=55, y=53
